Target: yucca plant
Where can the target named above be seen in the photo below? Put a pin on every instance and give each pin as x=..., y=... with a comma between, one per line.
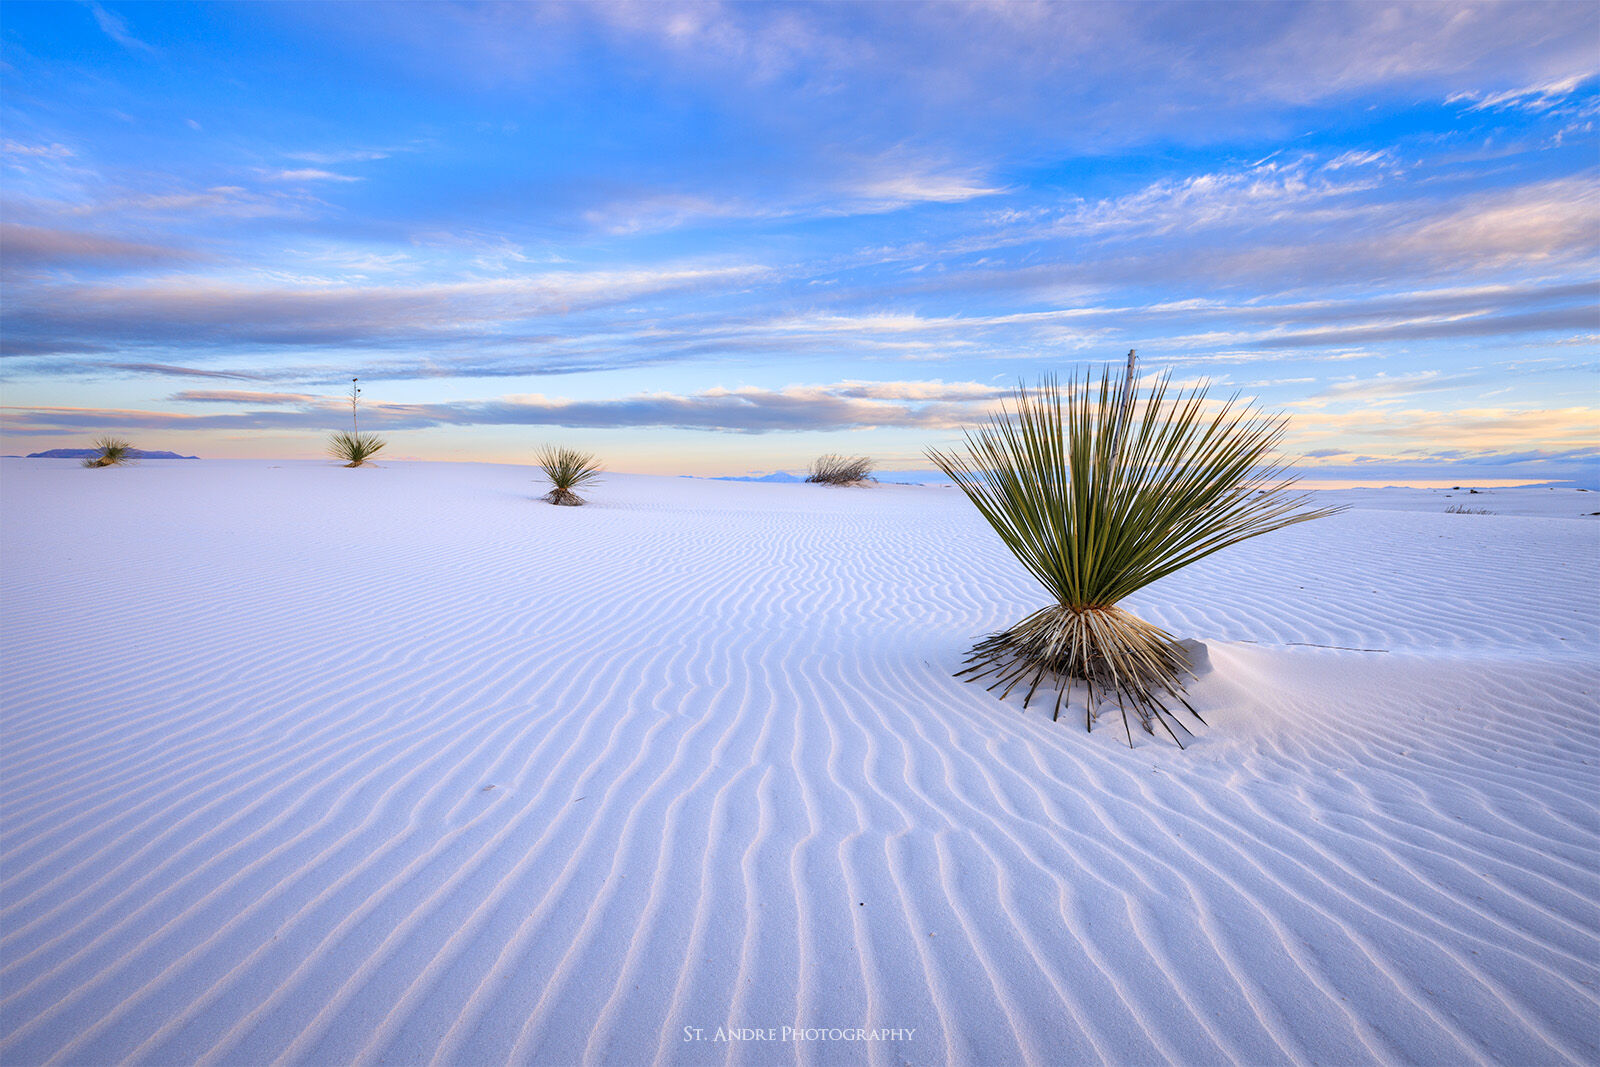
x=110, y=452
x=1100, y=491
x=566, y=468
x=355, y=447
x=834, y=469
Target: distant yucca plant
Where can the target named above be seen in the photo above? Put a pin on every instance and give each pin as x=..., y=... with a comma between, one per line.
x=1099, y=492
x=833, y=469
x=354, y=448
x=566, y=468
x=111, y=452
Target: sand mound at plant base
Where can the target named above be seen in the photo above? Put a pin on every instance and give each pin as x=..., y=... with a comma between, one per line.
x=490, y=783
x=563, y=497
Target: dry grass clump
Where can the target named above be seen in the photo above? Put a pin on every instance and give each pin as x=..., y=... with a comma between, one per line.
x=112, y=452
x=1458, y=509
x=567, y=468
x=1100, y=491
x=834, y=469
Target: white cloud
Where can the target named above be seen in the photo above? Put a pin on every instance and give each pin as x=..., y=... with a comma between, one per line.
x=1359, y=158
x=49, y=151
x=903, y=188
x=351, y=155
x=307, y=174
x=1269, y=192
x=1383, y=388
x=229, y=201
x=116, y=28
x=658, y=212
x=857, y=187
x=1543, y=97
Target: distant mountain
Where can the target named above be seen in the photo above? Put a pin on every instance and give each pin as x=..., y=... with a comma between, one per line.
x=898, y=477
x=85, y=453
x=775, y=476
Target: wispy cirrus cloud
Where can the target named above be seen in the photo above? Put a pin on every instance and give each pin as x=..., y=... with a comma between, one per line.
x=832, y=188
x=223, y=201
x=1386, y=388
x=1559, y=319
x=1305, y=189
x=116, y=27
x=1543, y=97
x=985, y=59
x=334, y=157
x=661, y=211
x=307, y=174
x=1548, y=227
x=35, y=151
x=901, y=178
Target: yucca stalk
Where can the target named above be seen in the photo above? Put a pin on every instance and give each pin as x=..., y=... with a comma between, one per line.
x=110, y=452
x=566, y=468
x=354, y=448
x=1099, y=491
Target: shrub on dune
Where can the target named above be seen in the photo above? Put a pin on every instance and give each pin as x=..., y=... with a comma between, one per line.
x=1100, y=491
x=833, y=469
x=567, y=469
x=110, y=452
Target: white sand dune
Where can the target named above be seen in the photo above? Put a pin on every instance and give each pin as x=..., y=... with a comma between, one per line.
x=309, y=765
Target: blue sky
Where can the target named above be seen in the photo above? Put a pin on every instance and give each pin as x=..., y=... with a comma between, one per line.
x=724, y=239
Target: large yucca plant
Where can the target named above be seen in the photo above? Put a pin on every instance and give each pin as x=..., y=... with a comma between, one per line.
x=110, y=452
x=566, y=468
x=1100, y=490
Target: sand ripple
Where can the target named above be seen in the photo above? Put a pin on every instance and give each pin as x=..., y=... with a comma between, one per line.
x=308, y=766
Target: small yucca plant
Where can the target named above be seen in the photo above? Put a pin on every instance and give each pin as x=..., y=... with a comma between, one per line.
x=566, y=468
x=833, y=469
x=110, y=452
x=354, y=448
x=1099, y=492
